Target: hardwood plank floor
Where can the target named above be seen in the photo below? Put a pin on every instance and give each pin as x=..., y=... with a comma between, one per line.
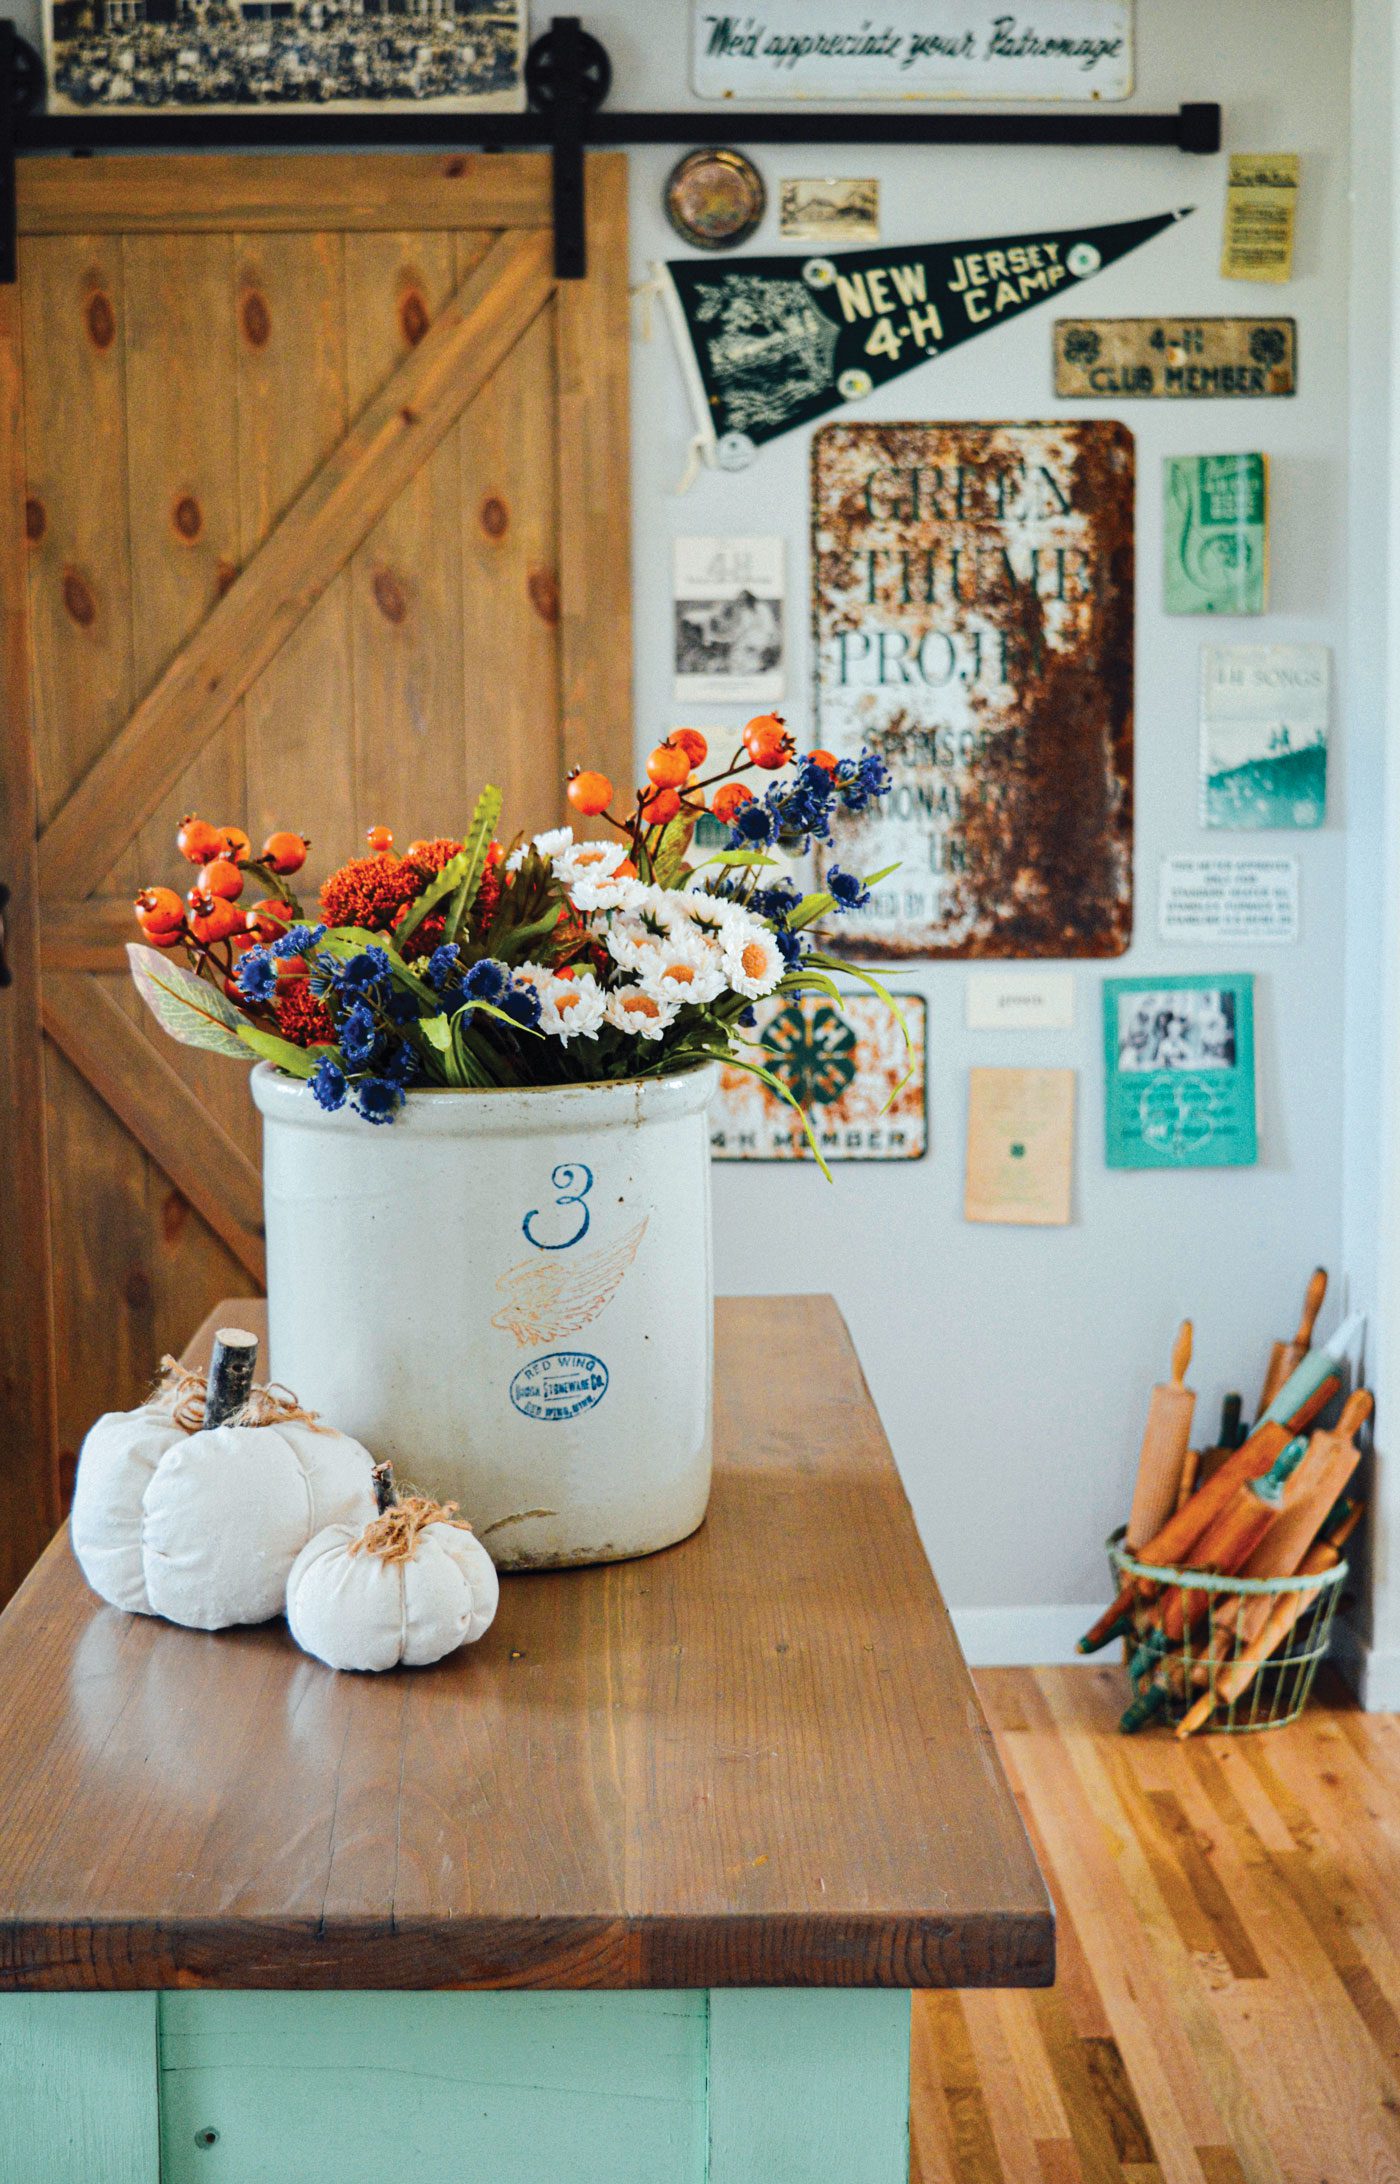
x=1227, y=2009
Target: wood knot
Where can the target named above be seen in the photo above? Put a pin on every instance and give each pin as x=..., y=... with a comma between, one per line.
x=136, y=1289
x=36, y=520
x=225, y=577
x=389, y=595
x=407, y=415
x=101, y=321
x=455, y=168
x=188, y=518
x=543, y=593
x=257, y=319
x=174, y=1215
x=494, y=517
x=78, y=600
x=413, y=317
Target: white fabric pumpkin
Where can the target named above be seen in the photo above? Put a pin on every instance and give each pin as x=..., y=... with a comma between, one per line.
x=203, y=1527
x=412, y=1587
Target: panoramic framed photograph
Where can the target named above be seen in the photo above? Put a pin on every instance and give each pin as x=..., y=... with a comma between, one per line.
x=242, y=56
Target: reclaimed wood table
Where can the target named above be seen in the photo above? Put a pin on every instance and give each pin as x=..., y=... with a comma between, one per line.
x=691, y=1827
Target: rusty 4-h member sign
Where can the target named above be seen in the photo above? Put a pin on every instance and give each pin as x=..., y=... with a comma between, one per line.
x=974, y=624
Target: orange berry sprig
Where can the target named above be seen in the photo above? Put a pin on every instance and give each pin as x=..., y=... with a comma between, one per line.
x=674, y=786
x=211, y=924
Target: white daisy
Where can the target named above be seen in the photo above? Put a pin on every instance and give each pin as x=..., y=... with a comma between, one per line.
x=632, y=1010
x=571, y=1008
x=550, y=844
x=753, y=961
x=588, y=860
x=681, y=969
x=607, y=892
x=702, y=913
x=632, y=938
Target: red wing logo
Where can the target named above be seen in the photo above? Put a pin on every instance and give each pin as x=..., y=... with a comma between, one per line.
x=547, y=1300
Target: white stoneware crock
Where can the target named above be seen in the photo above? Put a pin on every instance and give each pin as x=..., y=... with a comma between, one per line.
x=510, y=1296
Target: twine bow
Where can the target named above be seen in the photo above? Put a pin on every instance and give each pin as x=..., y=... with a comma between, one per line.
x=394, y=1536
x=183, y=1393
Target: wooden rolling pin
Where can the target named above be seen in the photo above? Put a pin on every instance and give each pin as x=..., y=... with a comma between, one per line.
x=1286, y=1357
x=1235, y=1678
x=1308, y=1390
x=1231, y=1539
x=1315, y=1489
x=1163, y=1451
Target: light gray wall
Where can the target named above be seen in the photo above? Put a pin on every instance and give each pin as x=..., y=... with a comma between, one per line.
x=1011, y=1366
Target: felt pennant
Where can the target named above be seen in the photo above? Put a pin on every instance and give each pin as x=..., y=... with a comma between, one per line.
x=770, y=343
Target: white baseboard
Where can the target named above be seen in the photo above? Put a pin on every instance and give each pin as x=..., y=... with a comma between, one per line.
x=1373, y=1675
x=1046, y=1637
x=1022, y=1637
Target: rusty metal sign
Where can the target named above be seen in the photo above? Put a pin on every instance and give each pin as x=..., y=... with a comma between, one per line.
x=860, y=1081
x=973, y=593
x=1175, y=359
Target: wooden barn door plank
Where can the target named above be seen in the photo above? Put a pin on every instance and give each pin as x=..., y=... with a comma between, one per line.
x=311, y=543
x=510, y=592
x=406, y=634
x=593, y=438
x=167, y=193
x=28, y=1472
x=99, y=1178
x=148, y=1094
x=293, y=412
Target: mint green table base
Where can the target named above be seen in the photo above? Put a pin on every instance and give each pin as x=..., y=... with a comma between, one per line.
x=733, y=2086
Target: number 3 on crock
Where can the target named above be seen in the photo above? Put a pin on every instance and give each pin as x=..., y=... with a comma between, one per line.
x=572, y=1183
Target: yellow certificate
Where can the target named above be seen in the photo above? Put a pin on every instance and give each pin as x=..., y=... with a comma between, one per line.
x=1261, y=203
x=1020, y=1146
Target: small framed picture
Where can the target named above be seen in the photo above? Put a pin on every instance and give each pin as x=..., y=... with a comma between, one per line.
x=728, y=605
x=359, y=56
x=824, y=208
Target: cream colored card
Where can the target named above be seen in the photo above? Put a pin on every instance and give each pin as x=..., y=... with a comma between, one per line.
x=1020, y=1146
x=1261, y=213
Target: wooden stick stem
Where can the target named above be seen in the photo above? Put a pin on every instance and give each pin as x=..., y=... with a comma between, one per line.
x=231, y=1368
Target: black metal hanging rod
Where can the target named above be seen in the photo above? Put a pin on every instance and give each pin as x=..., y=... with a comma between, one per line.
x=567, y=77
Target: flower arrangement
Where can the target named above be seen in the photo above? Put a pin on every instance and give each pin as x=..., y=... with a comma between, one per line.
x=468, y=963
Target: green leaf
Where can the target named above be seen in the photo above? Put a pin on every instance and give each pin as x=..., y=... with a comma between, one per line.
x=437, y=1031
x=195, y=1014
x=737, y=857
x=297, y=1061
x=460, y=877
x=668, y=865
x=867, y=978
x=784, y=1092
x=514, y=947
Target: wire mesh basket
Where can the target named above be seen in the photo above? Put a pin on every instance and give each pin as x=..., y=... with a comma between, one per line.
x=1225, y=1653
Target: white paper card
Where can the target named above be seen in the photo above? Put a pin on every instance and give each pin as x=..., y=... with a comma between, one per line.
x=1228, y=898
x=912, y=49
x=728, y=604
x=1020, y=1001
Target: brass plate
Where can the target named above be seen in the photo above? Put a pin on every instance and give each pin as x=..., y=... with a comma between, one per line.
x=1175, y=359
x=715, y=198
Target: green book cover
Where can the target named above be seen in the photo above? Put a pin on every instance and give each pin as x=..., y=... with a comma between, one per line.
x=1179, y=1071
x=1216, y=534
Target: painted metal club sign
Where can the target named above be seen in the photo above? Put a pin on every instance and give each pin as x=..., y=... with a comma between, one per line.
x=768, y=344
x=974, y=624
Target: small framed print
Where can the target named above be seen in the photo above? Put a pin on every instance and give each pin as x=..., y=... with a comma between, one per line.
x=824, y=208
x=728, y=608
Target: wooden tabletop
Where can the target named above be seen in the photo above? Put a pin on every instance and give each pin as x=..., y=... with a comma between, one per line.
x=753, y=1759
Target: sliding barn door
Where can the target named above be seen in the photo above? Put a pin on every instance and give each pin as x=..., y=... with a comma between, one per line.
x=316, y=517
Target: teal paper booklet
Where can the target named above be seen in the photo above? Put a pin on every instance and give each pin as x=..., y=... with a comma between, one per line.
x=1264, y=713
x=1179, y=1071
x=1215, y=530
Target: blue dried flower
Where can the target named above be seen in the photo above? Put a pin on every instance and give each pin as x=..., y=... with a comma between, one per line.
x=365, y=975
x=849, y=891
x=378, y=1098
x=747, y=1018
x=400, y=1063
x=486, y=981
x=328, y=1084
x=752, y=828
x=359, y=1037
x=443, y=964
x=790, y=946
x=257, y=975
x=297, y=940
x=402, y=1007
x=522, y=1005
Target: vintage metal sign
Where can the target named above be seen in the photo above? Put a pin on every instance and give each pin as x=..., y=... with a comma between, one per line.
x=915, y=49
x=862, y=1086
x=1175, y=358
x=974, y=624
